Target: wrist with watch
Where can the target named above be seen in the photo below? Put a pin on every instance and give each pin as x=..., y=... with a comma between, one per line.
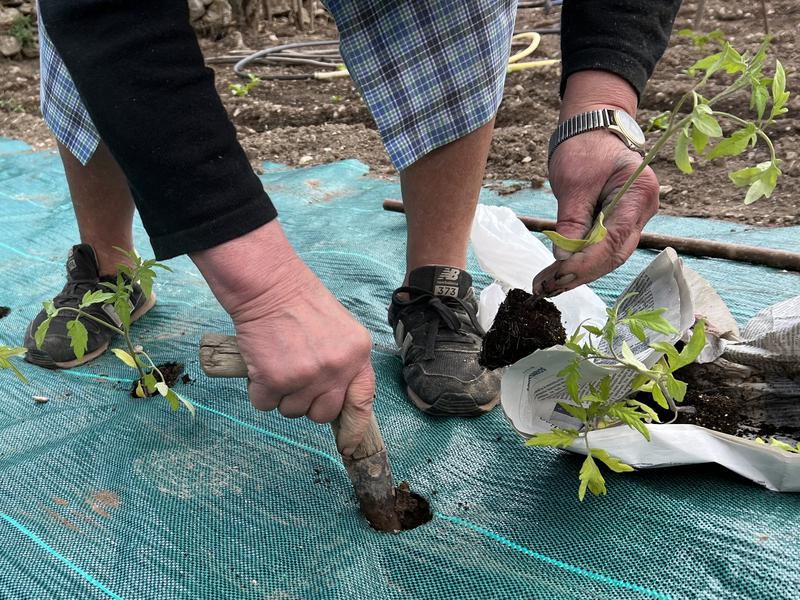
x=614, y=120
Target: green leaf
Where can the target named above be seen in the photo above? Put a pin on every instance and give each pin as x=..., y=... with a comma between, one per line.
x=735, y=144
x=782, y=445
x=123, y=308
x=759, y=95
x=146, y=282
x=676, y=388
x=704, y=120
x=682, y=153
x=172, y=398
x=78, y=337
x=124, y=357
x=654, y=320
x=699, y=140
x=748, y=175
x=764, y=185
x=659, y=397
x=631, y=417
x=630, y=359
x=162, y=388
x=576, y=411
x=710, y=64
x=695, y=346
x=571, y=374
x=150, y=382
x=596, y=235
x=185, y=401
x=556, y=438
x=50, y=308
x=593, y=330
x=41, y=332
x=612, y=463
x=139, y=390
x=590, y=477
x=95, y=297
x=667, y=349
x=651, y=414
x=779, y=94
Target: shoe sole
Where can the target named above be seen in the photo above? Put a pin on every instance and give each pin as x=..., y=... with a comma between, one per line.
x=42, y=360
x=464, y=410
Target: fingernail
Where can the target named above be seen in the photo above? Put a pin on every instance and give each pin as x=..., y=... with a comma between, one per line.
x=560, y=253
x=565, y=280
x=347, y=451
x=536, y=287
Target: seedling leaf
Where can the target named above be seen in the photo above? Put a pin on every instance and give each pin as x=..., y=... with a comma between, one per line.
x=591, y=478
x=611, y=462
x=124, y=357
x=556, y=438
x=78, y=337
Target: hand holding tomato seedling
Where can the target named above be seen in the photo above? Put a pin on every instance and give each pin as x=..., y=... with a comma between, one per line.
x=306, y=355
x=585, y=172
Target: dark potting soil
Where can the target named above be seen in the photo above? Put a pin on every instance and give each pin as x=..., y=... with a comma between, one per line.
x=412, y=508
x=171, y=371
x=520, y=328
x=4, y=310
x=712, y=411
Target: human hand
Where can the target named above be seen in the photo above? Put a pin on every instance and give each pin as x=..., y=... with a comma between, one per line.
x=305, y=353
x=586, y=171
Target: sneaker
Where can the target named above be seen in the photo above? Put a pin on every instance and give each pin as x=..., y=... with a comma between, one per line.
x=435, y=326
x=82, y=276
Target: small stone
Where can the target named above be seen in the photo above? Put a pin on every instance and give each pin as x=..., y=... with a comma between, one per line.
x=196, y=9
x=8, y=16
x=41, y=399
x=305, y=159
x=9, y=45
x=527, y=159
x=663, y=190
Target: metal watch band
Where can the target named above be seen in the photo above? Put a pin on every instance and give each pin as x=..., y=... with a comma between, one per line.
x=581, y=123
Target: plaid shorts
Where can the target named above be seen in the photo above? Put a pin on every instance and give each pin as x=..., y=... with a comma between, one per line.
x=430, y=71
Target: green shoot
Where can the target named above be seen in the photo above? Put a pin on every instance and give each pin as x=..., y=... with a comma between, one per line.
x=597, y=406
x=22, y=28
x=117, y=297
x=238, y=89
x=780, y=444
x=694, y=123
x=7, y=352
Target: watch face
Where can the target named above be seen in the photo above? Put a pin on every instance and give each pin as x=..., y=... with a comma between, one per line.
x=629, y=127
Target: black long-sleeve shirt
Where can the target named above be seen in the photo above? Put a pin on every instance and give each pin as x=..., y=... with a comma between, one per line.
x=139, y=70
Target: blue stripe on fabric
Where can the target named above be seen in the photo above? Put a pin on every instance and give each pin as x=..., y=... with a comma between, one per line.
x=56, y=554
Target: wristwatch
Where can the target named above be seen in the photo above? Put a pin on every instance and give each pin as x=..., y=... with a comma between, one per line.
x=618, y=121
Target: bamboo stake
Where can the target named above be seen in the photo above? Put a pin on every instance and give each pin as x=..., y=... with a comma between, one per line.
x=779, y=259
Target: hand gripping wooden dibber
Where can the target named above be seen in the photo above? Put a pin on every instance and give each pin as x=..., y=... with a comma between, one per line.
x=386, y=507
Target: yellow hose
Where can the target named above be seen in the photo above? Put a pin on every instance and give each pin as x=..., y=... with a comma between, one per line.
x=513, y=62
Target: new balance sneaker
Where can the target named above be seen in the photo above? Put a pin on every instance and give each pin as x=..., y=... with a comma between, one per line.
x=435, y=326
x=82, y=276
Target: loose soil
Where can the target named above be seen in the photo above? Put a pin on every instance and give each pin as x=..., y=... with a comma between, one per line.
x=313, y=122
x=171, y=371
x=412, y=508
x=521, y=327
x=4, y=311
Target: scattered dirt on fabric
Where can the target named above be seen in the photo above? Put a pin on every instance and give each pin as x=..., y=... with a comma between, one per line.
x=521, y=327
x=4, y=311
x=302, y=123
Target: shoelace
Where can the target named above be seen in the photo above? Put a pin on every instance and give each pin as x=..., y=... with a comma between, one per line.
x=443, y=308
x=75, y=288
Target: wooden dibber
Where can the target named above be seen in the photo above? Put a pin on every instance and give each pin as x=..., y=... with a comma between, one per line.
x=368, y=467
x=780, y=259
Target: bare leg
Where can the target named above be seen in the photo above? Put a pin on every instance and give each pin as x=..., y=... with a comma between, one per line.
x=440, y=193
x=103, y=205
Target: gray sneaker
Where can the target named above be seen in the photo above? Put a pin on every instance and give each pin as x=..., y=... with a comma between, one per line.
x=82, y=276
x=440, y=339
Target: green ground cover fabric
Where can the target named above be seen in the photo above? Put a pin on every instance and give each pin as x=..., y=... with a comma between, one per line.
x=103, y=495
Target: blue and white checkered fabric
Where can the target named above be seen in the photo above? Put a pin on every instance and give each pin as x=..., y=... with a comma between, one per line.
x=61, y=104
x=431, y=71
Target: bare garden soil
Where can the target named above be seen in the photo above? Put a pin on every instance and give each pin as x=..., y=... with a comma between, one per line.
x=312, y=122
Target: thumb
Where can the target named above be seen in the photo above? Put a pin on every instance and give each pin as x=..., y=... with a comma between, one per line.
x=356, y=411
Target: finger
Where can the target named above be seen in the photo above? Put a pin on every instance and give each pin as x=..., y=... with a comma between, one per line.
x=262, y=397
x=356, y=411
x=577, y=197
x=624, y=230
x=326, y=407
x=296, y=404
